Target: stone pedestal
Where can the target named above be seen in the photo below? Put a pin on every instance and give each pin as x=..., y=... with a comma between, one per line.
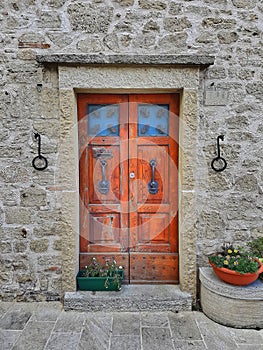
x=234, y=306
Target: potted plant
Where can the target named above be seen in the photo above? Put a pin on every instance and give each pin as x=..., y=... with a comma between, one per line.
x=235, y=265
x=96, y=277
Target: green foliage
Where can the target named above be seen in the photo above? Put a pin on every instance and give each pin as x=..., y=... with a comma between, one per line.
x=236, y=259
x=110, y=269
x=256, y=247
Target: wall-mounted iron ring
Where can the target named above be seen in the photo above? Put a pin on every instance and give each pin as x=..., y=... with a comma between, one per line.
x=219, y=160
x=39, y=162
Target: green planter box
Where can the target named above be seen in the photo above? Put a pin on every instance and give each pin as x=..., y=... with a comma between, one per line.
x=97, y=283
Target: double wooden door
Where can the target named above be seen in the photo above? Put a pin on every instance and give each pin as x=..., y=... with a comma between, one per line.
x=128, y=179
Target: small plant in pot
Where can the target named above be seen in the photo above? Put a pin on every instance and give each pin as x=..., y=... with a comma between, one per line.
x=97, y=277
x=235, y=265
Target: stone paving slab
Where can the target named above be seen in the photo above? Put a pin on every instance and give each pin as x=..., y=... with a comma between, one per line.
x=46, y=326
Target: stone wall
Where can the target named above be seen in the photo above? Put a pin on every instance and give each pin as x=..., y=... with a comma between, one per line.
x=229, y=204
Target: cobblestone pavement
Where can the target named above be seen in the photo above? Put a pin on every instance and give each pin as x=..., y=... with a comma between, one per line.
x=46, y=326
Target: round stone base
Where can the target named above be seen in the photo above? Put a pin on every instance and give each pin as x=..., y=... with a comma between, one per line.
x=234, y=306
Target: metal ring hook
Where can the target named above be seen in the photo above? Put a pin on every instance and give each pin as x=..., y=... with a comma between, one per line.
x=39, y=157
x=219, y=158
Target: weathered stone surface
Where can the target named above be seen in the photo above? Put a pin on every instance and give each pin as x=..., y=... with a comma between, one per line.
x=247, y=183
x=255, y=88
x=131, y=298
x=56, y=3
x=238, y=307
x=87, y=18
x=50, y=19
x=244, y=4
x=18, y=215
x=151, y=26
x=92, y=44
x=124, y=2
x=32, y=197
x=39, y=246
x=177, y=24
x=150, y=4
x=218, y=23
x=171, y=42
x=153, y=338
x=227, y=38
x=129, y=59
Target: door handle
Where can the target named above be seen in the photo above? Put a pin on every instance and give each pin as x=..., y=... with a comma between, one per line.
x=104, y=184
x=153, y=184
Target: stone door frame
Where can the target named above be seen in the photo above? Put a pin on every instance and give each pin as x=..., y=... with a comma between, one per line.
x=126, y=74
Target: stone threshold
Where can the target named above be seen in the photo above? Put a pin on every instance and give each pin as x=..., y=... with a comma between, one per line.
x=98, y=59
x=131, y=298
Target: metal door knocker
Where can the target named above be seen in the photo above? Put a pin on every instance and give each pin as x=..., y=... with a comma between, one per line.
x=153, y=184
x=39, y=162
x=219, y=163
x=104, y=184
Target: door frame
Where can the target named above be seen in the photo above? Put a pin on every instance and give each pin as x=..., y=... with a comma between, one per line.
x=90, y=78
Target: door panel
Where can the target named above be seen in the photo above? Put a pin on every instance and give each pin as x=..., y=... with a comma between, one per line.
x=103, y=120
x=128, y=151
x=153, y=219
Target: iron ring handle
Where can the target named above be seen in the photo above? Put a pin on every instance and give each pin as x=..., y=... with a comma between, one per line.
x=43, y=159
x=216, y=160
x=153, y=184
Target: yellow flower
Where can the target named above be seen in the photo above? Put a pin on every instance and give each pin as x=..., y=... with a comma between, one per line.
x=235, y=263
x=229, y=251
x=225, y=262
x=235, y=251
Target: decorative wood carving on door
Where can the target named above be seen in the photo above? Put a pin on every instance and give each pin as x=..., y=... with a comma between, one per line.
x=128, y=151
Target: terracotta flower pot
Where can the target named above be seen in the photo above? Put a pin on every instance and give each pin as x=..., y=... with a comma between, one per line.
x=236, y=278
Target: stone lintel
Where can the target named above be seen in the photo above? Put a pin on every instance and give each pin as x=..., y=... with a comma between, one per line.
x=101, y=59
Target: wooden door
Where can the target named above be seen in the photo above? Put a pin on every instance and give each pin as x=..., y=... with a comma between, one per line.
x=128, y=151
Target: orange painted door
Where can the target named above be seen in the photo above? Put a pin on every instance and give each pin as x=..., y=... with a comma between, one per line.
x=128, y=151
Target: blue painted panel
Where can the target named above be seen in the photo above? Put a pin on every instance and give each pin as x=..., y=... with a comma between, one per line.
x=153, y=120
x=103, y=120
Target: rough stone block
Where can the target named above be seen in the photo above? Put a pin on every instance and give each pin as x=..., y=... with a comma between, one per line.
x=18, y=215
x=32, y=197
x=87, y=18
x=177, y=24
x=39, y=246
x=150, y=4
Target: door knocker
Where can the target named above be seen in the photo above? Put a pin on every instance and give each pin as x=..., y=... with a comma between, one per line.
x=39, y=162
x=104, y=184
x=153, y=184
x=219, y=161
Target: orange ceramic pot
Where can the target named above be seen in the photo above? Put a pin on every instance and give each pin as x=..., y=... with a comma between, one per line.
x=236, y=278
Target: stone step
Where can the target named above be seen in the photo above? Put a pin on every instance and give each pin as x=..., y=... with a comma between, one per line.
x=132, y=297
